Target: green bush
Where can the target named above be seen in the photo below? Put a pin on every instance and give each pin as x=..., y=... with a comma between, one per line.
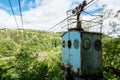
x=18, y=60
x=111, y=58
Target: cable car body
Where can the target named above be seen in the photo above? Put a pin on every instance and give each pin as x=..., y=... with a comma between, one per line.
x=81, y=51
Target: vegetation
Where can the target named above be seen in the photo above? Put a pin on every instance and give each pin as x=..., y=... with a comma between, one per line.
x=36, y=55
x=20, y=58
x=111, y=58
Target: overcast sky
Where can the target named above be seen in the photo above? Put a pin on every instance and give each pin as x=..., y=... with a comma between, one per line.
x=43, y=14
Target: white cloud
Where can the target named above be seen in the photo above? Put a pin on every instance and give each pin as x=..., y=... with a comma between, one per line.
x=31, y=4
x=38, y=2
x=8, y=21
x=47, y=13
x=111, y=4
x=4, y=19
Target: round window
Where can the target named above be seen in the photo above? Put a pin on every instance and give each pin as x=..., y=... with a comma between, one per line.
x=64, y=44
x=76, y=44
x=86, y=43
x=69, y=44
x=97, y=45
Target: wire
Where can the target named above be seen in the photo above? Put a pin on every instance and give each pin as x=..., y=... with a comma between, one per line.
x=91, y=4
x=91, y=26
x=66, y=18
x=59, y=27
x=87, y=7
x=91, y=14
x=91, y=21
x=13, y=13
x=21, y=13
x=60, y=22
x=72, y=14
x=68, y=24
x=81, y=20
x=21, y=19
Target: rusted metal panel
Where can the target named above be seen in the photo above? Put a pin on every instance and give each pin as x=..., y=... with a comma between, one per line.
x=91, y=54
x=82, y=52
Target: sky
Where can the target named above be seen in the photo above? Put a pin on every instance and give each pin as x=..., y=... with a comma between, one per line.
x=43, y=14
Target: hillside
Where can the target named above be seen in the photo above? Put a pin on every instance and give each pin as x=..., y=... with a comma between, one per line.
x=29, y=55
x=36, y=55
x=12, y=40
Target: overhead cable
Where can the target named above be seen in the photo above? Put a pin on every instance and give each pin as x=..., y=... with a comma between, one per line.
x=21, y=13
x=91, y=14
x=73, y=14
x=59, y=22
x=13, y=13
x=21, y=19
x=91, y=4
x=66, y=18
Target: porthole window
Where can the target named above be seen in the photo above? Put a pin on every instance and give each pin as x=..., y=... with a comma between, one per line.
x=97, y=45
x=69, y=44
x=86, y=43
x=64, y=44
x=76, y=44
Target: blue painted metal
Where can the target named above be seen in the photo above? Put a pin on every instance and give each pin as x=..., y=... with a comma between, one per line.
x=85, y=60
x=71, y=56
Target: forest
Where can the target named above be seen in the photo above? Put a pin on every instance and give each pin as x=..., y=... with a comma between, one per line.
x=36, y=55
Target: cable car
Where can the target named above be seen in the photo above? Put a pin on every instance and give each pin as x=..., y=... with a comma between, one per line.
x=81, y=51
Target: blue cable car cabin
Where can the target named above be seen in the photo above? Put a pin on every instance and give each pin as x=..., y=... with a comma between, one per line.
x=81, y=51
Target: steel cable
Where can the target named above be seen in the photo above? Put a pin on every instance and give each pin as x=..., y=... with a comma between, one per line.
x=13, y=13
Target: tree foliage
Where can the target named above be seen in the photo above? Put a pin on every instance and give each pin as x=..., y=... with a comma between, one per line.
x=18, y=60
x=111, y=58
